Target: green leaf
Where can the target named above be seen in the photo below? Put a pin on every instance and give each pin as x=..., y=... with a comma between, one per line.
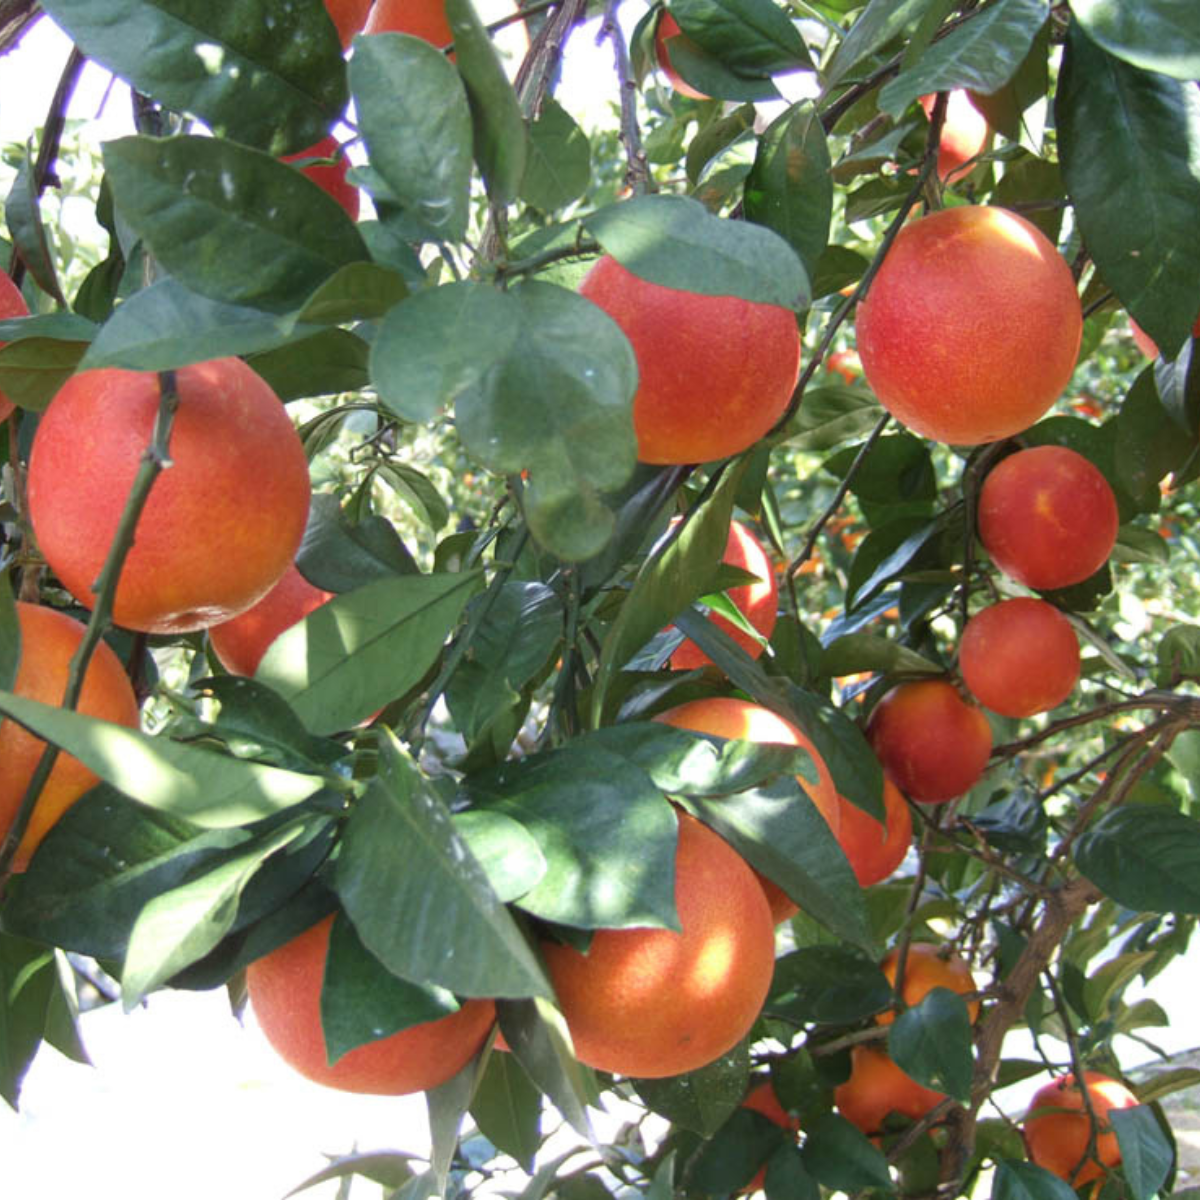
x=339, y=556
x=26, y=987
x=1166, y=1083
x=559, y=405
x=790, y=189
x=751, y=38
x=23, y=216
x=1157, y=35
x=10, y=634
x=416, y=123
x=358, y=291
x=447, y=1105
x=180, y=926
x=229, y=222
x=440, y=342
x=334, y=360
x=606, y=831
x=387, y=1167
x=982, y=54
x=931, y=1041
x=1147, y=859
x=700, y=1100
x=787, y=1176
x=401, y=853
x=780, y=833
x=872, y=652
x=361, y=1001
x=884, y=554
x=1119, y=126
x=348, y=658
x=840, y=1157
x=255, y=71
x=831, y=985
x=507, y=1108
x=500, y=145
x=508, y=853
x=1015, y=1180
x=740, y=1147
x=34, y=368
x=676, y=242
x=1148, y=446
x=198, y=784
x=559, y=166
x=1108, y=982
x=167, y=325
x=876, y=25
x=832, y=416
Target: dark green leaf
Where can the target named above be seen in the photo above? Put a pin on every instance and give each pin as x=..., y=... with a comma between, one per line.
x=400, y=853
x=334, y=360
x=362, y=1001
x=265, y=74
x=23, y=216
x=559, y=167
x=884, y=554
x=1147, y=859
x=740, y=1147
x=832, y=416
x=348, y=658
x=750, y=37
x=1148, y=445
x=507, y=1108
x=700, y=1100
x=339, y=556
x=10, y=634
x=504, y=848
x=790, y=189
x=26, y=986
x=1016, y=1180
x=828, y=985
x=229, y=222
x=359, y=291
x=447, y=1106
x=1117, y=127
x=842, y=1158
x=500, y=144
x=1157, y=35
x=931, y=1041
x=676, y=242
x=872, y=652
x=982, y=54
x=33, y=369
x=876, y=25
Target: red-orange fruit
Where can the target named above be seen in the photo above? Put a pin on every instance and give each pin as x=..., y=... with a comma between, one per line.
x=757, y=602
x=12, y=304
x=241, y=642
x=1146, y=344
x=965, y=133
x=666, y=35
x=49, y=640
x=930, y=741
x=1019, y=657
x=655, y=1002
x=762, y=1099
x=222, y=522
x=971, y=328
x=875, y=848
x=1057, y=1140
x=348, y=17
x=1047, y=517
x=728, y=717
x=715, y=372
x=877, y=1087
x=285, y=992
x=844, y=363
x=330, y=178
x=425, y=19
x=927, y=967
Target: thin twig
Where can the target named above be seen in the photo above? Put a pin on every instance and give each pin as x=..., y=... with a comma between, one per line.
x=637, y=172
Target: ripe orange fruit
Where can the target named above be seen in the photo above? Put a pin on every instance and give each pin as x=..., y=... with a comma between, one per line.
x=653, y=1002
x=12, y=304
x=714, y=372
x=49, y=639
x=222, y=522
x=757, y=602
x=724, y=716
x=927, y=967
x=844, y=363
x=285, y=992
x=1019, y=657
x=875, y=848
x=331, y=179
x=762, y=1099
x=1057, y=1140
x=877, y=1087
x=667, y=33
x=241, y=642
x=348, y=17
x=1047, y=516
x=971, y=328
x=930, y=740
x=425, y=19
x=965, y=133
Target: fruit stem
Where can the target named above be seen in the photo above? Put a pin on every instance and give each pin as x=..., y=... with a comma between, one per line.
x=155, y=459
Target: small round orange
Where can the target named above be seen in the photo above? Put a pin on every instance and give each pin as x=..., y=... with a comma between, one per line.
x=927, y=967
x=285, y=993
x=877, y=1087
x=875, y=848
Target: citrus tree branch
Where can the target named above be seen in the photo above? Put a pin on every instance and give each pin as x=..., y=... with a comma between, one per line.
x=637, y=173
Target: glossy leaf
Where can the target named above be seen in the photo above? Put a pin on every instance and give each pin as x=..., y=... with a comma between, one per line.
x=10, y=634
x=508, y=853
x=1147, y=859
x=26, y=987
x=790, y=189
x=23, y=217
x=348, y=658
x=840, y=1157
x=828, y=985
x=701, y=1100
x=1119, y=126
x=559, y=166
x=1016, y=1180
x=676, y=242
x=256, y=71
x=736, y=1152
x=34, y=368
x=879, y=23
x=507, y=1109
x=931, y=1041
x=231, y=223
x=400, y=853
x=339, y=556
x=870, y=652
x=749, y=37
x=332, y=361
x=1159, y=35
x=982, y=54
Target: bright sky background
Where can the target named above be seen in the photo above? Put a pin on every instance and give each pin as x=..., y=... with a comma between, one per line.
x=183, y=1101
